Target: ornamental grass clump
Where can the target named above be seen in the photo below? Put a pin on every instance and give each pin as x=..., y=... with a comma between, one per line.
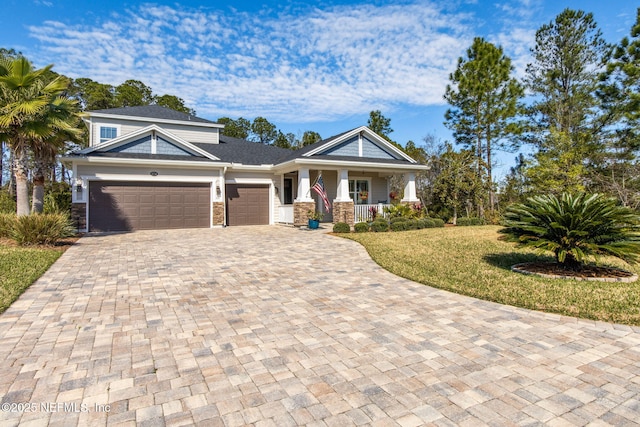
x=575, y=227
x=41, y=229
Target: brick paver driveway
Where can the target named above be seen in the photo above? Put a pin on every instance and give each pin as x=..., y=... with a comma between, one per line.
x=278, y=326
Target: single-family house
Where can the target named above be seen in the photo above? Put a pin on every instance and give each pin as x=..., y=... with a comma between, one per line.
x=150, y=167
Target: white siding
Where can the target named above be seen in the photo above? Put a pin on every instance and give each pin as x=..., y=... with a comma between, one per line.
x=185, y=132
x=101, y=171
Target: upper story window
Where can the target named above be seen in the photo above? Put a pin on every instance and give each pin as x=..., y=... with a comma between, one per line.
x=107, y=133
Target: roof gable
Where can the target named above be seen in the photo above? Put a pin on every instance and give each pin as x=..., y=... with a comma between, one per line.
x=361, y=142
x=151, y=140
x=359, y=146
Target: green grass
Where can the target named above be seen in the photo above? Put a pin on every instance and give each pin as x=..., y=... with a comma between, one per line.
x=20, y=267
x=473, y=261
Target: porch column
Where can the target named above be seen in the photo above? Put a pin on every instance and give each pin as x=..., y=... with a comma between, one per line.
x=303, y=202
x=343, y=206
x=410, y=188
x=304, y=186
x=342, y=193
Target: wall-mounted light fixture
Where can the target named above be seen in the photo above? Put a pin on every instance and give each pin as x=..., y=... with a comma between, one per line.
x=218, y=191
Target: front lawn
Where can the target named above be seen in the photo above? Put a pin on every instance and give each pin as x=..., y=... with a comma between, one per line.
x=473, y=261
x=20, y=267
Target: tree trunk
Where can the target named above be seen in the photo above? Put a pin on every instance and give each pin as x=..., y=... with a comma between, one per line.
x=39, y=179
x=454, y=221
x=1, y=161
x=12, y=174
x=38, y=193
x=20, y=169
x=492, y=201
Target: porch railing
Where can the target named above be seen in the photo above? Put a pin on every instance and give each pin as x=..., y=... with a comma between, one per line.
x=285, y=214
x=364, y=213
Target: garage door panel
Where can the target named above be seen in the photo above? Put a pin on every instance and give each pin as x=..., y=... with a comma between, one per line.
x=124, y=206
x=149, y=199
x=190, y=199
x=247, y=204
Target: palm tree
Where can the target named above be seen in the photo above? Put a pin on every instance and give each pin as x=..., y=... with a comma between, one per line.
x=575, y=228
x=33, y=110
x=60, y=118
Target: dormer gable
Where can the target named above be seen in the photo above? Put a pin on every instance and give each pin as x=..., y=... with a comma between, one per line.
x=150, y=141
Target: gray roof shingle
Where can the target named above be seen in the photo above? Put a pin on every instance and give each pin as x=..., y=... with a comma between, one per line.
x=152, y=112
x=246, y=152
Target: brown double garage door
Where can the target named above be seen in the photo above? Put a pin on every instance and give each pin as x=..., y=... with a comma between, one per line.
x=126, y=206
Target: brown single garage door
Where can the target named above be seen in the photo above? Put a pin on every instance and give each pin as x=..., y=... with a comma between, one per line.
x=126, y=206
x=247, y=204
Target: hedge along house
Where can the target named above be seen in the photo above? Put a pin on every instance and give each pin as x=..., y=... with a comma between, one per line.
x=154, y=168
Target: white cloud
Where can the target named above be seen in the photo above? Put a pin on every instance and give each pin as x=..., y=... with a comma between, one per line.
x=322, y=64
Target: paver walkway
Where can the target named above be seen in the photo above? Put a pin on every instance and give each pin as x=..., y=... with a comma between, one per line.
x=278, y=326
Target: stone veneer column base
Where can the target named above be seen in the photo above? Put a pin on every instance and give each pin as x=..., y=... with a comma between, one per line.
x=300, y=210
x=344, y=212
x=79, y=215
x=218, y=213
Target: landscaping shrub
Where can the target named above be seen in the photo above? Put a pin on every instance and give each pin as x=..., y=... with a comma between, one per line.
x=7, y=204
x=437, y=222
x=341, y=227
x=398, y=219
x=575, y=227
x=399, y=211
x=411, y=224
x=361, y=227
x=379, y=226
x=428, y=223
x=43, y=229
x=399, y=226
x=6, y=224
x=58, y=198
x=468, y=221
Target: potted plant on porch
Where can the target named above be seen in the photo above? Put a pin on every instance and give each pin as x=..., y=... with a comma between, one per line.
x=314, y=219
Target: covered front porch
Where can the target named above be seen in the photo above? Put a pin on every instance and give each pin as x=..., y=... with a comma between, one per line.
x=355, y=195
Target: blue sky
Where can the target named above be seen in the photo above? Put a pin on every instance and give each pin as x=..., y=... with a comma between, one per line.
x=319, y=66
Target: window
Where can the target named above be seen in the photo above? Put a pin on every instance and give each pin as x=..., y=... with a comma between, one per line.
x=288, y=191
x=359, y=191
x=107, y=133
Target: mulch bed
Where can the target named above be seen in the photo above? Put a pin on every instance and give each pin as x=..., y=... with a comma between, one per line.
x=62, y=244
x=587, y=272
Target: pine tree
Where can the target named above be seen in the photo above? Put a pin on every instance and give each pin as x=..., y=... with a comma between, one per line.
x=619, y=171
x=485, y=100
x=567, y=58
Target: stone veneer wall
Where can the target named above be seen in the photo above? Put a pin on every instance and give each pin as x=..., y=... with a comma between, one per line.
x=300, y=210
x=79, y=215
x=218, y=213
x=344, y=212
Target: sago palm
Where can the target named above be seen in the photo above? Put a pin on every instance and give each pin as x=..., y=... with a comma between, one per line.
x=576, y=228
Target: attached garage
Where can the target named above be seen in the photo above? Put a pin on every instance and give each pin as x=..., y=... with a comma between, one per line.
x=247, y=204
x=126, y=206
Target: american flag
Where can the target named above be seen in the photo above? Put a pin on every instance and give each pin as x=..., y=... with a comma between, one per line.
x=318, y=187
